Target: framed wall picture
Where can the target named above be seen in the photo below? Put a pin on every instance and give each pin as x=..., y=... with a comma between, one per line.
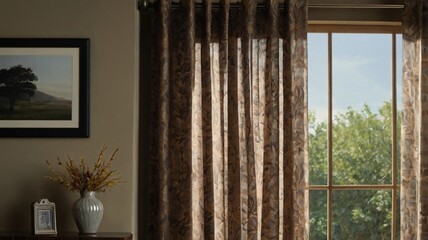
x=44, y=87
x=43, y=217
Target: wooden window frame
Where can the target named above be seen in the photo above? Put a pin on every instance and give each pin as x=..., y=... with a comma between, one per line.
x=330, y=187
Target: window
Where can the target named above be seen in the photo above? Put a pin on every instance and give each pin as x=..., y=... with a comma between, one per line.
x=354, y=132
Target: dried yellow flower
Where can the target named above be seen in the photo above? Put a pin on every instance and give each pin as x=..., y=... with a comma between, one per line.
x=77, y=178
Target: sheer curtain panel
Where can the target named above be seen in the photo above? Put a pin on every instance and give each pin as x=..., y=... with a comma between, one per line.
x=414, y=141
x=229, y=135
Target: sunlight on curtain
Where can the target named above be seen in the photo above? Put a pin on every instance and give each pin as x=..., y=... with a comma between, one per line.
x=229, y=149
x=414, y=141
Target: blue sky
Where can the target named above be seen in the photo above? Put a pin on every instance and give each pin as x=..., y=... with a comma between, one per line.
x=361, y=71
x=54, y=72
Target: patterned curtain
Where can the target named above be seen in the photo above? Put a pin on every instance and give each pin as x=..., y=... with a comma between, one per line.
x=414, y=142
x=229, y=142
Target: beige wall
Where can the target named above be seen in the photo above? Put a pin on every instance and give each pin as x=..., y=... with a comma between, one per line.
x=111, y=26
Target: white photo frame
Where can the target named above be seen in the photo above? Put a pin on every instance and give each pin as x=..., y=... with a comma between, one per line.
x=44, y=218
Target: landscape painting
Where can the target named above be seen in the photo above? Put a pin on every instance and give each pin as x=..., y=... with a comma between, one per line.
x=36, y=87
x=43, y=87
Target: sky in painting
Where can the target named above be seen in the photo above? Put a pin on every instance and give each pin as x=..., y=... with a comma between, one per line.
x=54, y=72
x=362, y=71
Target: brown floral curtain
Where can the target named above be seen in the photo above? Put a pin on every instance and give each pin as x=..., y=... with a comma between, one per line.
x=229, y=149
x=414, y=142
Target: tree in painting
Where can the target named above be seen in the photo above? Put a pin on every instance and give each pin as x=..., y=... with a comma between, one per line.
x=17, y=82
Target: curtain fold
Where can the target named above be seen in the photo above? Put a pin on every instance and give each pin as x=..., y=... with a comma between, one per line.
x=414, y=142
x=229, y=141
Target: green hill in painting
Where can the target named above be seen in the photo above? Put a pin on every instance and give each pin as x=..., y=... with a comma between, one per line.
x=40, y=106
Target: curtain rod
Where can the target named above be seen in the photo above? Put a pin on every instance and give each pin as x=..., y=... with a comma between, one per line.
x=145, y=5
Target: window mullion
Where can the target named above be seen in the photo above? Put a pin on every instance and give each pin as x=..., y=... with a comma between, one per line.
x=394, y=137
x=330, y=138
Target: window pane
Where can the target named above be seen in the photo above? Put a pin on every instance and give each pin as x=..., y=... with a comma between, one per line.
x=362, y=214
x=318, y=107
x=362, y=108
x=399, y=74
x=399, y=58
x=397, y=216
x=318, y=214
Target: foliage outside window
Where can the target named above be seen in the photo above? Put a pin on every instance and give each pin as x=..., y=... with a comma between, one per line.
x=354, y=136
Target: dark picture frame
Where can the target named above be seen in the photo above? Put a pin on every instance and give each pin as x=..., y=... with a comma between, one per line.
x=54, y=97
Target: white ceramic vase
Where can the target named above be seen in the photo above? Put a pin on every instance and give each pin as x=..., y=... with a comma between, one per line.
x=88, y=212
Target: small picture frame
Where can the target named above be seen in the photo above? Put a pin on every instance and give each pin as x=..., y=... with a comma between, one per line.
x=43, y=218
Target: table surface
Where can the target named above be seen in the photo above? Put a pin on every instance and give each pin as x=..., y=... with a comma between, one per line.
x=66, y=235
